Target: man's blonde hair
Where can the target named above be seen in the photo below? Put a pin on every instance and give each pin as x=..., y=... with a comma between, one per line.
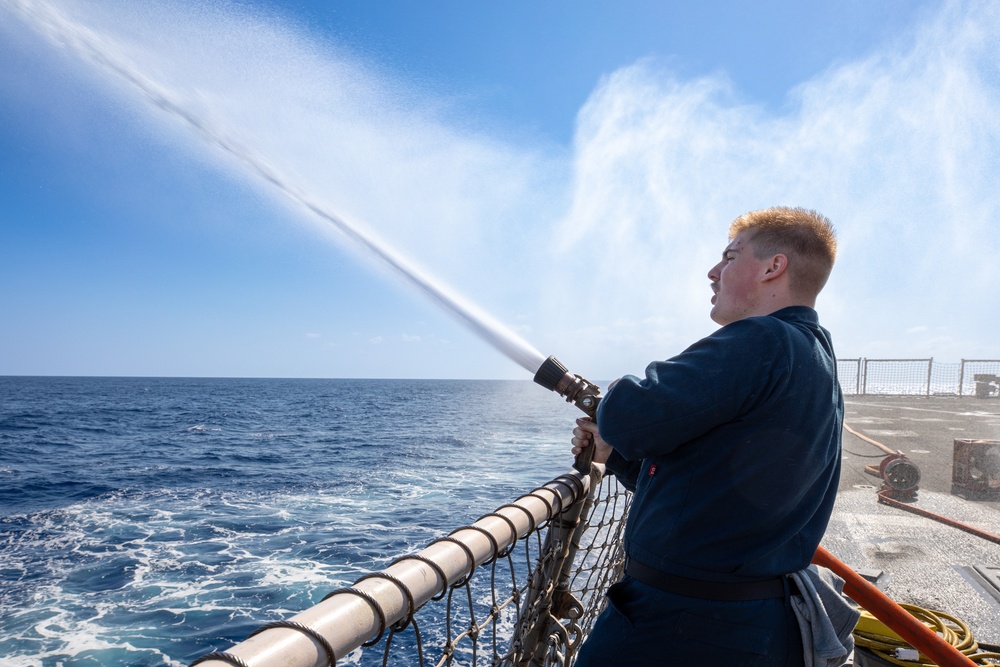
x=804, y=236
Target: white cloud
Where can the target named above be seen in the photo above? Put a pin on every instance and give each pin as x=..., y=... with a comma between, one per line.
x=899, y=150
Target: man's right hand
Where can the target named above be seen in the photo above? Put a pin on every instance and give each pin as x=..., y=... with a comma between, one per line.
x=585, y=435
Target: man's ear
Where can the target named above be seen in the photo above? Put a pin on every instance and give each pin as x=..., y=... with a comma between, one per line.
x=776, y=267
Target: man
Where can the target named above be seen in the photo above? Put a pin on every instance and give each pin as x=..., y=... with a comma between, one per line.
x=733, y=451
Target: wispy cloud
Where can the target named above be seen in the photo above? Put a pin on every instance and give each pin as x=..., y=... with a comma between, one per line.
x=899, y=150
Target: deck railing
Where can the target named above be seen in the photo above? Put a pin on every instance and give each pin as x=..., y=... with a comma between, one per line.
x=919, y=377
x=520, y=586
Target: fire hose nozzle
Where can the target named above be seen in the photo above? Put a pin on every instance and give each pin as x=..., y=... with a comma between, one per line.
x=576, y=390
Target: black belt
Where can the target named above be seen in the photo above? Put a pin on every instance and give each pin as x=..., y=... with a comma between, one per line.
x=709, y=590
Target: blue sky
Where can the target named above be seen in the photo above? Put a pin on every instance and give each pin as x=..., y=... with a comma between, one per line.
x=570, y=168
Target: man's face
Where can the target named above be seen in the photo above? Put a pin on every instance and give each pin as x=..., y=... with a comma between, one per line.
x=736, y=282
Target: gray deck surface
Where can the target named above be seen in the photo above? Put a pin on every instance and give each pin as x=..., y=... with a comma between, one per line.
x=925, y=562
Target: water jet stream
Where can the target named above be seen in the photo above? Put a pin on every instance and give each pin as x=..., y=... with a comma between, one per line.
x=50, y=22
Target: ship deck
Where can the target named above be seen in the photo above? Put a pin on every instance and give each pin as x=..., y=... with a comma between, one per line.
x=920, y=560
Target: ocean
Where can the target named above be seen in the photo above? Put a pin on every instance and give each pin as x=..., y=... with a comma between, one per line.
x=147, y=521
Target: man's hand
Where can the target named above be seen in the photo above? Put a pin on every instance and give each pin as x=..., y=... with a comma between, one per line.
x=585, y=435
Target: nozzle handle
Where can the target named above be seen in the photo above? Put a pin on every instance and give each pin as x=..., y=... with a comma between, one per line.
x=588, y=403
x=576, y=390
x=584, y=460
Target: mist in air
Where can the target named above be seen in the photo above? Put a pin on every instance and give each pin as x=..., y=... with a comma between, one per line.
x=597, y=252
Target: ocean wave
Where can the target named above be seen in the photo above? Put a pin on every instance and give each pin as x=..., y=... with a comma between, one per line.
x=152, y=543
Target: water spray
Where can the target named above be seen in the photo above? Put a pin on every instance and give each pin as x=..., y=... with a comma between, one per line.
x=50, y=21
x=47, y=18
x=576, y=390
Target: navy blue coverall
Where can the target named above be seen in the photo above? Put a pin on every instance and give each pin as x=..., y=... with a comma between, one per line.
x=732, y=449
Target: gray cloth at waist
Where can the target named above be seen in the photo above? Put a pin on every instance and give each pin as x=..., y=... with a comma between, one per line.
x=826, y=619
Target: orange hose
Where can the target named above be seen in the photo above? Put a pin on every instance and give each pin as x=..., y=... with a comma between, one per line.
x=884, y=498
x=886, y=610
x=869, y=440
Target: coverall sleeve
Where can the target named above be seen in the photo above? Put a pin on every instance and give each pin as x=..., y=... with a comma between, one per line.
x=711, y=383
x=627, y=472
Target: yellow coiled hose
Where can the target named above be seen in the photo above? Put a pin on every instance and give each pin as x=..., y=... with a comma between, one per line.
x=872, y=634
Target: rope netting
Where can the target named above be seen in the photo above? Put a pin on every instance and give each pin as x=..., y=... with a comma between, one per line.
x=980, y=378
x=895, y=376
x=566, y=590
x=523, y=585
x=849, y=374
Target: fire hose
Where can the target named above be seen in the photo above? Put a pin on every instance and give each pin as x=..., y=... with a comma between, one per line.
x=901, y=479
x=886, y=610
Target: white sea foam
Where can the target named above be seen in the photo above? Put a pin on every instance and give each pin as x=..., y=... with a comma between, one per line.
x=188, y=560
